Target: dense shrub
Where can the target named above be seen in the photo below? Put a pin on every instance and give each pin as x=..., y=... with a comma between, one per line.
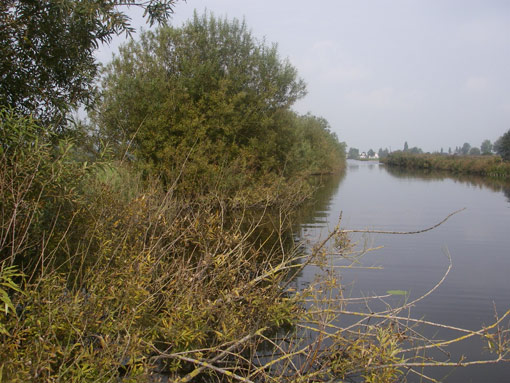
x=47, y=63
x=210, y=95
x=117, y=271
x=39, y=184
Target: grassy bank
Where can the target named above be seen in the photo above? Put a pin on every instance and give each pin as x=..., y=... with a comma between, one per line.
x=491, y=166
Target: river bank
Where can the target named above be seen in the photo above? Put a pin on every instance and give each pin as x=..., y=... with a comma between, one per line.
x=490, y=166
x=108, y=271
x=130, y=281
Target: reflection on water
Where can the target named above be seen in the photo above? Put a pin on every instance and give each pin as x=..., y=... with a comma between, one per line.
x=506, y=191
x=494, y=184
x=375, y=197
x=315, y=213
x=352, y=166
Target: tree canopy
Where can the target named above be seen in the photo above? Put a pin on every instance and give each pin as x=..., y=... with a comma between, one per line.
x=465, y=148
x=353, y=153
x=208, y=93
x=502, y=146
x=46, y=50
x=383, y=153
x=486, y=147
x=474, y=151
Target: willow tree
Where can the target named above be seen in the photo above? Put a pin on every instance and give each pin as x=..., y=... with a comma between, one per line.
x=207, y=93
x=486, y=147
x=47, y=63
x=502, y=146
x=316, y=148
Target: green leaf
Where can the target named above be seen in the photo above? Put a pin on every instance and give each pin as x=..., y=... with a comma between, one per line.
x=397, y=292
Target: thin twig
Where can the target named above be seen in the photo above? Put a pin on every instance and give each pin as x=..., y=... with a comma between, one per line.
x=403, y=232
x=208, y=364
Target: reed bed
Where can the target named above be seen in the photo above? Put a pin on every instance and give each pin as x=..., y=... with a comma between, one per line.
x=492, y=166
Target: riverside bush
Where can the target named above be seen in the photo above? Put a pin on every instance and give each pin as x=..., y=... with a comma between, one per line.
x=106, y=275
x=116, y=270
x=167, y=257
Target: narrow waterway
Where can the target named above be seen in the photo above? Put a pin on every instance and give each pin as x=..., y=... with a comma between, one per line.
x=371, y=196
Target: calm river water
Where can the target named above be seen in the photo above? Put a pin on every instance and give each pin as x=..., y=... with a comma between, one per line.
x=478, y=239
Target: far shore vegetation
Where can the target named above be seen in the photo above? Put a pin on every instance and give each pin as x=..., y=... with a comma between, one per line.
x=151, y=240
x=492, y=166
x=492, y=160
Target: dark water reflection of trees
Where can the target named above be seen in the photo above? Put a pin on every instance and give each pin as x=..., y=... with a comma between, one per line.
x=326, y=188
x=495, y=184
x=506, y=191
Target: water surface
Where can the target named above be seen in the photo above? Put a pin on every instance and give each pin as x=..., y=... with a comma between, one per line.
x=371, y=196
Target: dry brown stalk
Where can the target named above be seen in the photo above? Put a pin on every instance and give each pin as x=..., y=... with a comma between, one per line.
x=404, y=232
x=209, y=363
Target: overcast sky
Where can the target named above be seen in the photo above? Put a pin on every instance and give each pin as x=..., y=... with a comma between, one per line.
x=434, y=73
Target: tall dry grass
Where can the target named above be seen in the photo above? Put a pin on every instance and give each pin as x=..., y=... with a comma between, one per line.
x=492, y=166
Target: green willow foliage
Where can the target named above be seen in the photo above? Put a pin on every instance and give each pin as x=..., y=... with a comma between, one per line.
x=40, y=192
x=100, y=271
x=212, y=97
x=107, y=276
x=502, y=146
x=47, y=64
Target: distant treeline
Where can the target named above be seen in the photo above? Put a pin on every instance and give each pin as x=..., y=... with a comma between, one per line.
x=493, y=166
x=355, y=154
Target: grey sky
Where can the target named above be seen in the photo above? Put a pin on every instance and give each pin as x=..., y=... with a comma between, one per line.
x=434, y=73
